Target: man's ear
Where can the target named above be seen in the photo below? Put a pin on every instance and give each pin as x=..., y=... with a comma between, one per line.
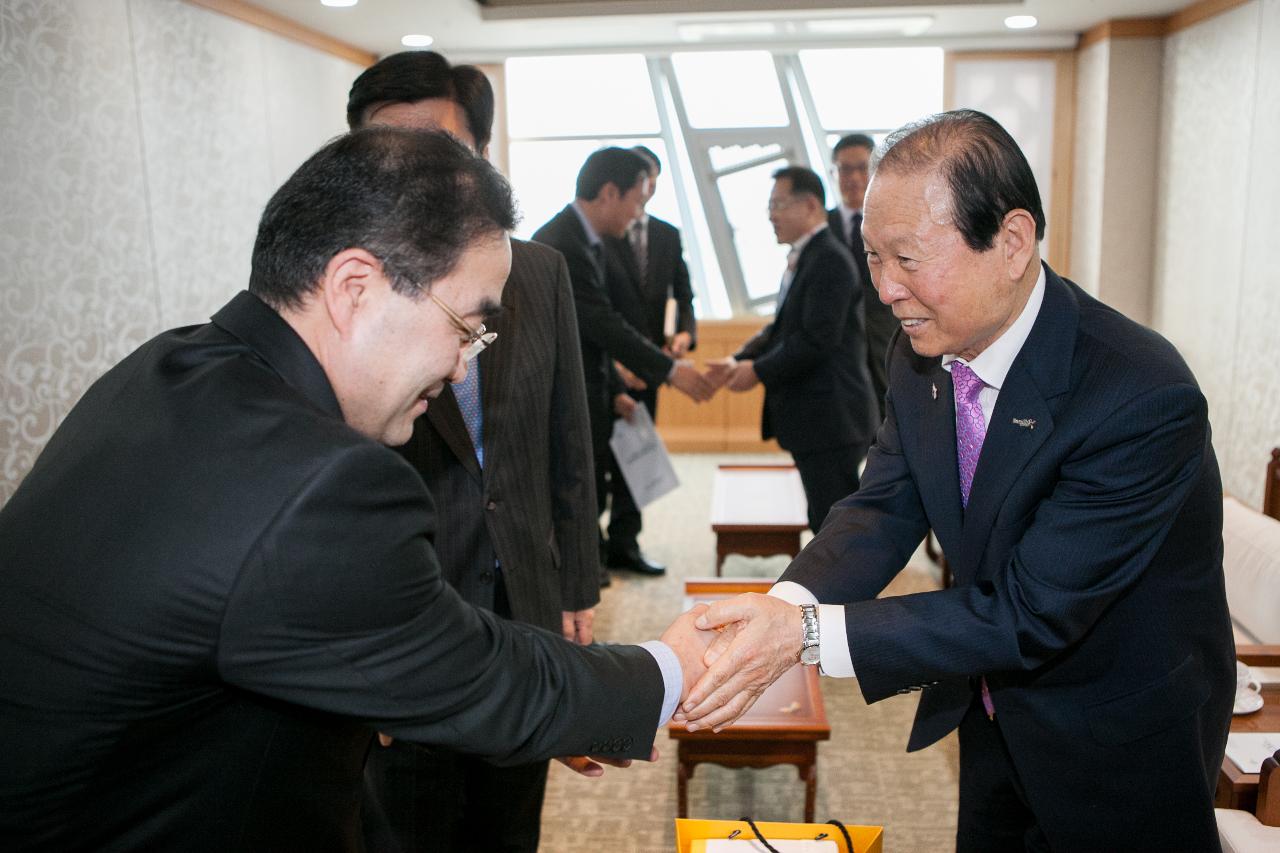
x=1019, y=243
x=351, y=280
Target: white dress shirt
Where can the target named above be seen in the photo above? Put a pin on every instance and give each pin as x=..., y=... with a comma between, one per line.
x=992, y=366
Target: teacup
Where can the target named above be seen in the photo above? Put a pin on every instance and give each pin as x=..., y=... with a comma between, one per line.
x=1248, y=690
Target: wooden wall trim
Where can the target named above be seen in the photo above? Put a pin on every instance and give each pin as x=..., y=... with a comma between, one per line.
x=1201, y=10
x=281, y=26
x=1197, y=12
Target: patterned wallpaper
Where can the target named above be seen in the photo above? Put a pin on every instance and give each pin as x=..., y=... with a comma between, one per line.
x=140, y=140
x=1217, y=288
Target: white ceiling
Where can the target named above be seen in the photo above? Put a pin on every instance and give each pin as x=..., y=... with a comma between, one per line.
x=462, y=32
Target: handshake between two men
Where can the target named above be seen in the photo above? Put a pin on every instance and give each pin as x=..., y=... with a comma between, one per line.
x=730, y=652
x=698, y=385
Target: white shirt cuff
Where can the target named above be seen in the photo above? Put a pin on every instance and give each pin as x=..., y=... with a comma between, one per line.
x=672, y=676
x=833, y=642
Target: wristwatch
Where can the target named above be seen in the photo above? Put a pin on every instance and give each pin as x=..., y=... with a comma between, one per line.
x=809, y=654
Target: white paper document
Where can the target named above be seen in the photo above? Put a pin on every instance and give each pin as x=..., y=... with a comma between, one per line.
x=642, y=457
x=1249, y=749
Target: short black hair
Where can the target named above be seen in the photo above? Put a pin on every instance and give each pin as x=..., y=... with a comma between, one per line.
x=415, y=75
x=984, y=168
x=416, y=200
x=803, y=181
x=853, y=140
x=618, y=166
x=647, y=154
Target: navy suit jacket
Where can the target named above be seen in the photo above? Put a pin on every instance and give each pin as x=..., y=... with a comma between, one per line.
x=812, y=357
x=1088, y=568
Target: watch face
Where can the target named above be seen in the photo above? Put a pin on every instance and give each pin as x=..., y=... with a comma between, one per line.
x=810, y=656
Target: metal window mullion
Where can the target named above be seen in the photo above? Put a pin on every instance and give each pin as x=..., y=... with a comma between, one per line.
x=712, y=203
x=662, y=99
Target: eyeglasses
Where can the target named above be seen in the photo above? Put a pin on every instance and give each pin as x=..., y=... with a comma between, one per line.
x=478, y=340
x=844, y=170
x=775, y=205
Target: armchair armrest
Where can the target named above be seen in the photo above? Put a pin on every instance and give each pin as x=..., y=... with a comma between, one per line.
x=1259, y=655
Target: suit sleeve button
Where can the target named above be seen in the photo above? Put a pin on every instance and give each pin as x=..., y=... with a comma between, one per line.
x=491, y=505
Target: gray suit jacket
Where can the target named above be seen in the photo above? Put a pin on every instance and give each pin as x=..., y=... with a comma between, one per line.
x=532, y=507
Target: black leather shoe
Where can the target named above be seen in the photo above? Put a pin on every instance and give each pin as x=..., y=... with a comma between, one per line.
x=636, y=563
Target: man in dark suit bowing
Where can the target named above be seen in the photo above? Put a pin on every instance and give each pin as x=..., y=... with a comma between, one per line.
x=851, y=161
x=1061, y=453
x=219, y=582
x=812, y=357
x=506, y=454
x=649, y=284
x=607, y=198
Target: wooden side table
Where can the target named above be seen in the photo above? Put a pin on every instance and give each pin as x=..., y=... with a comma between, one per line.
x=783, y=727
x=757, y=511
x=1237, y=789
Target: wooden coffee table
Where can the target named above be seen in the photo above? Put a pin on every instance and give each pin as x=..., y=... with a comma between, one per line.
x=757, y=511
x=783, y=727
x=1235, y=788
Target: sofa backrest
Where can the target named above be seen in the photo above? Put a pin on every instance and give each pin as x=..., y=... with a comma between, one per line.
x=1251, y=563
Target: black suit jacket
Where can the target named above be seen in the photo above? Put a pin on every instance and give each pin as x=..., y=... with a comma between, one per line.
x=215, y=591
x=604, y=332
x=533, y=504
x=880, y=322
x=812, y=357
x=643, y=303
x=1087, y=566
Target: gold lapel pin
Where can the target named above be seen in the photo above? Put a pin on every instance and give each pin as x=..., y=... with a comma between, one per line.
x=935, y=391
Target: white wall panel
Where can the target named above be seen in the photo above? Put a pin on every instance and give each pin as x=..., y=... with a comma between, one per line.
x=1207, y=164
x=140, y=140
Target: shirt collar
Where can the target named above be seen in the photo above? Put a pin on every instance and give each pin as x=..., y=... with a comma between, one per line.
x=798, y=246
x=993, y=363
x=592, y=237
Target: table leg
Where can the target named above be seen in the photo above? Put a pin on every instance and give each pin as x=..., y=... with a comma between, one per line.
x=682, y=788
x=809, y=773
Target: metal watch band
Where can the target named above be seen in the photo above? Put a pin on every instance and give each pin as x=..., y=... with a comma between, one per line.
x=809, y=618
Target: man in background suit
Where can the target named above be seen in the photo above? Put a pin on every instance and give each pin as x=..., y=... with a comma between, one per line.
x=609, y=195
x=812, y=357
x=218, y=581
x=506, y=454
x=646, y=273
x=851, y=161
x=1062, y=455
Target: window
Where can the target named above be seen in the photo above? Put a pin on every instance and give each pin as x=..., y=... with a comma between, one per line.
x=719, y=144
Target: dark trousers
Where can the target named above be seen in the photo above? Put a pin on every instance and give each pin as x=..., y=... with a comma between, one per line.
x=1135, y=796
x=828, y=476
x=625, y=522
x=420, y=800
x=994, y=816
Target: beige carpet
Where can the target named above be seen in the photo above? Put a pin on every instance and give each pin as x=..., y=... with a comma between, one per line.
x=865, y=775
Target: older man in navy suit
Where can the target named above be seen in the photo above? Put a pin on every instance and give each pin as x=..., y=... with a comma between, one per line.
x=1062, y=454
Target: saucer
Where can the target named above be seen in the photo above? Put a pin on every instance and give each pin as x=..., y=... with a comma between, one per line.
x=1247, y=703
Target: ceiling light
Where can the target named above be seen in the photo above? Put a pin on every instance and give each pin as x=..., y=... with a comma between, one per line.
x=339, y=3
x=417, y=40
x=907, y=26
x=726, y=30
x=1020, y=22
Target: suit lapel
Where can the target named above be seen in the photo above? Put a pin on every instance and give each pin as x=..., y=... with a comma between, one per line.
x=1023, y=416
x=446, y=417
x=934, y=407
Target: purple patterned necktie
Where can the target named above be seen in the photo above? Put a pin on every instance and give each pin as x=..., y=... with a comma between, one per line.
x=971, y=426
x=971, y=429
